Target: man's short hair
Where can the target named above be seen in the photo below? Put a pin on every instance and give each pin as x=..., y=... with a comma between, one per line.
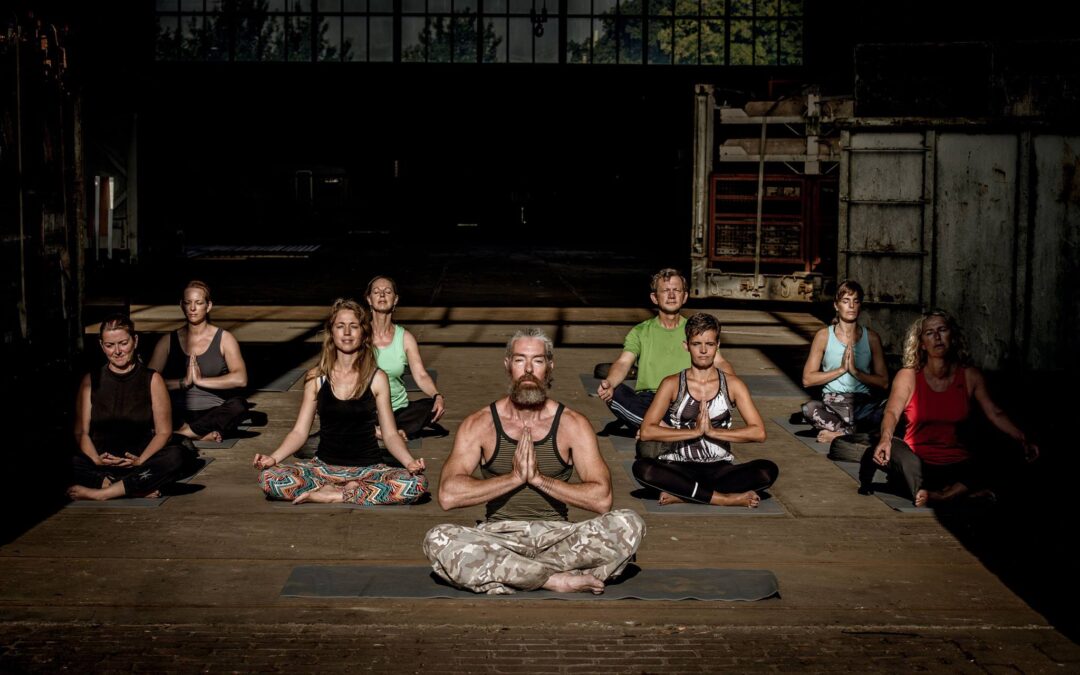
x=532, y=332
x=701, y=323
x=664, y=275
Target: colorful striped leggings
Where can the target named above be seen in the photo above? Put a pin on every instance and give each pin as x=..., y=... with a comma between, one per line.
x=371, y=485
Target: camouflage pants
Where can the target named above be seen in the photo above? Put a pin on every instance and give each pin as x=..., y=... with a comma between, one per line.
x=503, y=556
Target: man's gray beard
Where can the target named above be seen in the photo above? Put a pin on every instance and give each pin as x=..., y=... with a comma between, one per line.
x=528, y=397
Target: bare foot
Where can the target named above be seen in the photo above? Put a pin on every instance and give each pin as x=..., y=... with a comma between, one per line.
x=828, y=436
x=572, y=582
x=327, y=494
x=83, y=493
x=749, y=499
x=922, y=497
x=186, y=430
x=213, y=437
x=666, y=498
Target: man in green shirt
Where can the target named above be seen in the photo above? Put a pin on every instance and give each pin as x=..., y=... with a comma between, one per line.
x=658, y=347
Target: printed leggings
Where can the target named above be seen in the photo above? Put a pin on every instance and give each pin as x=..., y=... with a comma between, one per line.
x=373, y=485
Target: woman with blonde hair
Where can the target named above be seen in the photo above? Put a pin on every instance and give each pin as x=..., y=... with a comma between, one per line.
x=934, y=392
x=351, y=396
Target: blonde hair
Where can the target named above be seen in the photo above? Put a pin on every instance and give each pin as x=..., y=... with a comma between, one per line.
x=915, y=355
x=365, y=365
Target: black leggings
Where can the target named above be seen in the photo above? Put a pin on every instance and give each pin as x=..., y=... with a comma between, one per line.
x=414, y=417
x=163, y=467
x=223, y=418
x=697, y=481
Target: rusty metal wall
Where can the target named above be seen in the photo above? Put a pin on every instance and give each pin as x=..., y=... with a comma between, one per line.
x=981, y=223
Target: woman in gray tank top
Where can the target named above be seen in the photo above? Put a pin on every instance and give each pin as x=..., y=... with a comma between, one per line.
x=203, y=369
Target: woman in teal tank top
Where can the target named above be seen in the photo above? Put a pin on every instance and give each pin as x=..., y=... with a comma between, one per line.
x=847, y=361
x=396, y=348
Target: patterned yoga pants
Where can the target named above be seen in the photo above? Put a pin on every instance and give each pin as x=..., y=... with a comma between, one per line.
x=376, y=485
x=499, y=557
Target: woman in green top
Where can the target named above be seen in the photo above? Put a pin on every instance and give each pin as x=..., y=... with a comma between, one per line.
x=397, y=348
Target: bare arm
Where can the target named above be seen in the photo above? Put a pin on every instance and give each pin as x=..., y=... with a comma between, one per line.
x=298, y=435
x=237, y=375
x=616, y=375
x=159, y=400
x=651, y=427
x=903, y=387
x=723, y=364
x=879, y=372
x=753, y=431
x=457, y=487
x=380, y=387
x=420, y=374
x=997, y=416
x=593, y=493
x=159, y=358
x=812, y=374
x=82, y=422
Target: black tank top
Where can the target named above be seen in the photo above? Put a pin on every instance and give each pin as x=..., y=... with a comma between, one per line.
x=526, y=502
x=121, y=410
x=347, y=428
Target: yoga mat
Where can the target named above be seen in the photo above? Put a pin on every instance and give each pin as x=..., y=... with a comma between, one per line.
x=623, y=444
x=223, y=445
x=341, y=507
x=805, y=434
x=883, y=491
x=285, y=381
x=590, y=383
x=766, y=507
x=772, y=386
x=349, y=581
x=410, y=383
x=136, y=502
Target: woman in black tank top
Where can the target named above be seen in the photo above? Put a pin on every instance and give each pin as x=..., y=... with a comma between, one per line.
x=351, y=395
x=123, y=424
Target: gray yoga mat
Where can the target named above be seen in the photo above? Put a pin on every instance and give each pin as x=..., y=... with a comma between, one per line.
x=136, y=502
x=590, y=383
x=766, y=507
x=285, y=381
x=772, y=386
x=348, y=581
x=623, y=444
x=410, y=383
x=805, y=434
x=894, y=502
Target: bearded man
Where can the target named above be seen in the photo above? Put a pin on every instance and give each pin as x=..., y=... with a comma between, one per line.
x=527, y=446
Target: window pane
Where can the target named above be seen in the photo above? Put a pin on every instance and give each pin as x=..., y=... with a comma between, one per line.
x=742, y=8
x=332, y=5
x=354, y=38
x=381, y=6
x=660, y=40
x=660, y=7
x=412, y=38
x=438, y=6
x=604, y=7
x=329, y=38
x=214, y=5
x=494, y=6
x=630, y=41
x=465, y=39
x=604, y=39
x=578, y=37
x=382, y=40
x=631, y=7
x=300, y=6
x=791, y=7
x=166, y=5
x=765, y=43
x=413, y=6
x=438, y=39
x=712, y=7
x=494, y=40
x=713, y=41
x=768, y=7
x=578, y=7
x=522, y=7
x=686, y=41
x=547, y=46
x=191, y=5
x=520, y=46
x=191, y=38
x=165, y=45
x=299, y=38
x=465, y=6
x=791, y=43
x=742, y=40
x=275, y=5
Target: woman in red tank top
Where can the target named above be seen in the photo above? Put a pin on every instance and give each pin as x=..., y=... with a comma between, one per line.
x=934, y=391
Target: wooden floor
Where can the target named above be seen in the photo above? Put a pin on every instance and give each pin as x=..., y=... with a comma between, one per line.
x=848, y=565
